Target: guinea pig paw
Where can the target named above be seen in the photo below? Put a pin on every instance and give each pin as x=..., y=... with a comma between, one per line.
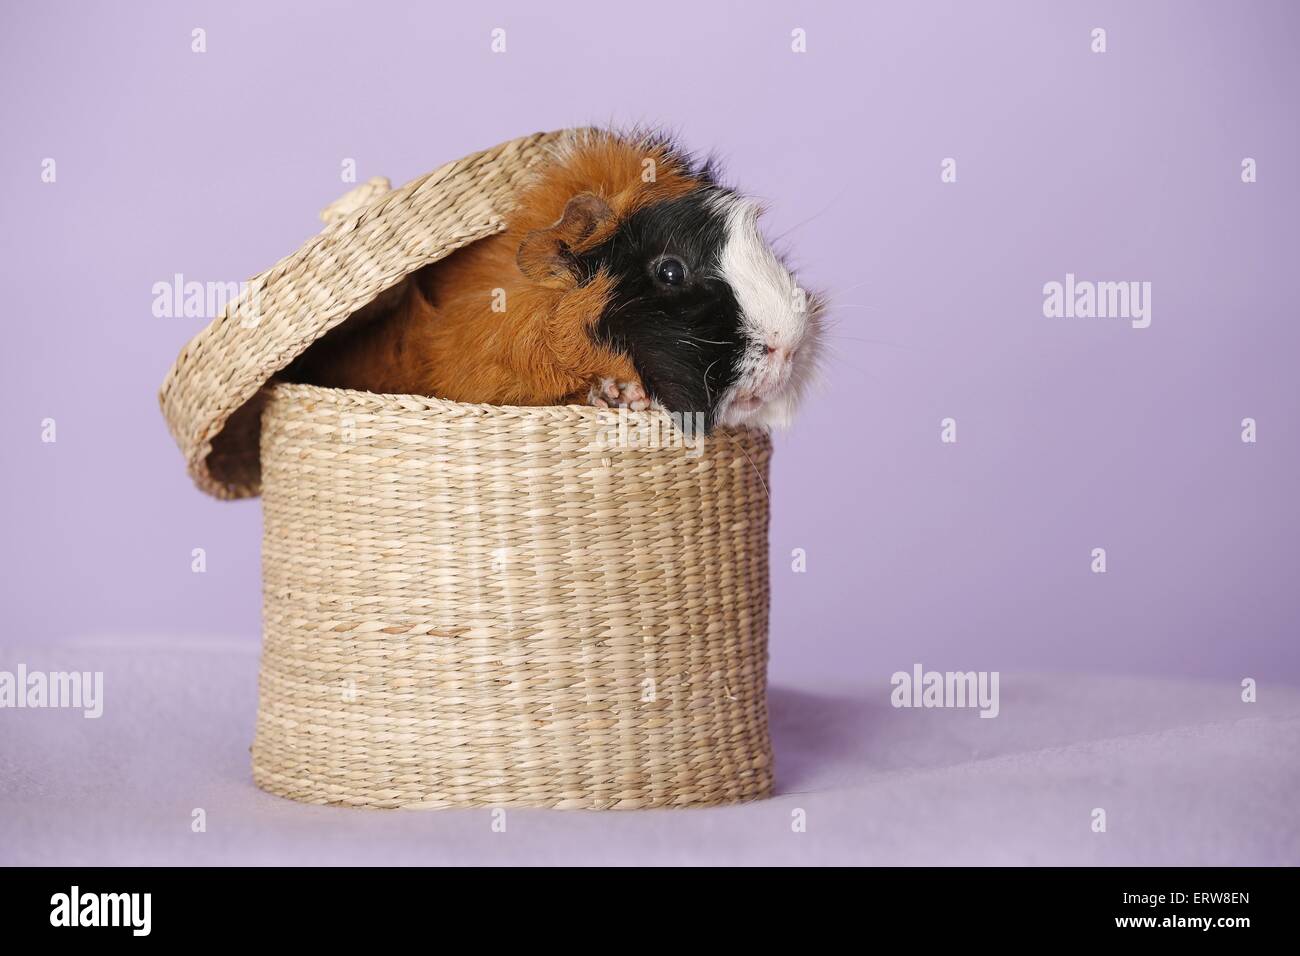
x=611, y=393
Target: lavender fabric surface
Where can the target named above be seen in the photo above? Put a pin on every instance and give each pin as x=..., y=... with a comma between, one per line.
x=1072, y=434
x=133, y=159
x=1186, y=772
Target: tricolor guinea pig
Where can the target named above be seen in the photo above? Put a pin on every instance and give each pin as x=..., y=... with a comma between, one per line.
x=626, y=274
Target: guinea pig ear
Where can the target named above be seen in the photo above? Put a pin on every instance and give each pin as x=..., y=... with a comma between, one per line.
x=546, y=255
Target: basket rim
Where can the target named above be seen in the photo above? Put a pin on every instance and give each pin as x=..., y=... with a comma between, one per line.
x=380, y=402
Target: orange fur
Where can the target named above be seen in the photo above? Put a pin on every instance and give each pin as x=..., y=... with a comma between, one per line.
x=444, y=339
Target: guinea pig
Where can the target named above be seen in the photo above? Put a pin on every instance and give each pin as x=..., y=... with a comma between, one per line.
x=626, y=274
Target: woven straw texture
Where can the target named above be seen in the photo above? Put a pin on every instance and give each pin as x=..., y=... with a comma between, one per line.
x=471, y=605
x=211, y=397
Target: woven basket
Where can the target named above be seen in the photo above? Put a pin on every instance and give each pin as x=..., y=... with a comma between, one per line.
x=475, y=605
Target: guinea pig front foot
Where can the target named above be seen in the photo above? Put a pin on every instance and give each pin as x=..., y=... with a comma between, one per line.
x=611, y=393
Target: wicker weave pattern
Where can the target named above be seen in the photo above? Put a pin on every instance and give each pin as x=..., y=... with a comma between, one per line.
x=470, y=605
x=473, y=605
x=210, y=396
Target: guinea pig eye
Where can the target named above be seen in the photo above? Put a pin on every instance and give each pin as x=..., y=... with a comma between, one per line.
x=670, y=271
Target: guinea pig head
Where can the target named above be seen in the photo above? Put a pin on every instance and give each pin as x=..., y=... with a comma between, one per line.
x=688, y=289
x=712, y=319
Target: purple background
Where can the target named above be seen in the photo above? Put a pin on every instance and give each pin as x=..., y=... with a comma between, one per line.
x=1073, y=434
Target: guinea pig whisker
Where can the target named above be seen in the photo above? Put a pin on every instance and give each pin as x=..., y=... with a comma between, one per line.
x=856, y=285
x=761, y=481
x=708, y=393
x=833, y=356
x=832, y=335
x=892, y=345
x=817, y=215
x=669, y=241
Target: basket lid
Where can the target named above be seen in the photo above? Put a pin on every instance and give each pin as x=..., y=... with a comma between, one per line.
x=374, y=237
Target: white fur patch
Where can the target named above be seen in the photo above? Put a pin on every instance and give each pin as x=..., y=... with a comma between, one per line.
x=763, y=287
x=775, y=313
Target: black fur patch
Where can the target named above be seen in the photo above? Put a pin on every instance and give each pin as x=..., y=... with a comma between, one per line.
x=685, y=341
